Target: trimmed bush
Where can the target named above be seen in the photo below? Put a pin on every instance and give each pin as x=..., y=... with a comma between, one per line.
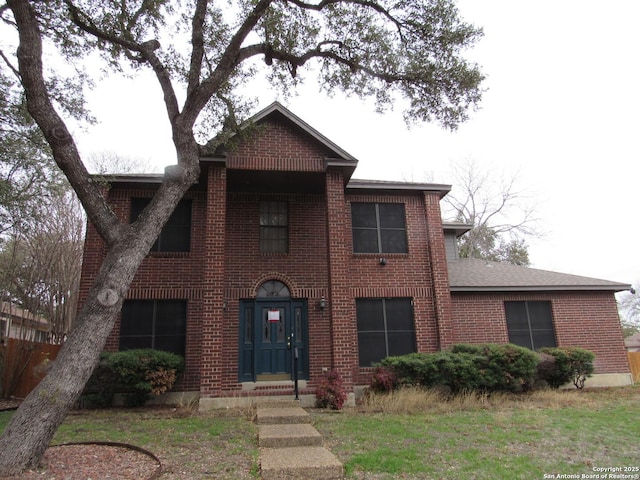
x=502, y=366
x=138, y=374
x=570, y=364
x=488, y=367
x=330, y=393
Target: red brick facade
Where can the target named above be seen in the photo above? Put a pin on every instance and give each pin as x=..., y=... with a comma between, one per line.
x=581, y=319
x=284, y=160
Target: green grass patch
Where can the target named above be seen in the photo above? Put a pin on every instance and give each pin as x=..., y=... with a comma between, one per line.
x=507, y=437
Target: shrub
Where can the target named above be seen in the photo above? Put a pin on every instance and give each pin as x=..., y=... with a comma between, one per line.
x=412, y=369
x=502, y=366
x=99, y=390
x=571, y=364
x=330, y=393
x=383, y=380
x=488, y=367
x=143, y=372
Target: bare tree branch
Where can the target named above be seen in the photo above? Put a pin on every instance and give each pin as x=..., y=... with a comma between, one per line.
x=53, y=127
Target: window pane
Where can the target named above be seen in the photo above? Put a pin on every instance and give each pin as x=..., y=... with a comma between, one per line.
x=365, y=241
x=391, y=215
x=171, y=343
x=371, y=348
x=543, y=338
x=136, y=317
x=540, y=315
x=394, y=241
x=181, y=215
x=363, y=215
x=369, y=314
x=401, y=343
x=274, y=213
x=521, y=338
x=129, y=343
x=516, y=313
x=399, y=314
x=171, y=317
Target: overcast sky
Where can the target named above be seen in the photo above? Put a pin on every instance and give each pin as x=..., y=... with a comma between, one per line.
x=561, y=109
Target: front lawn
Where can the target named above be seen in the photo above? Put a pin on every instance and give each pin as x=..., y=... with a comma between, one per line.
x=410, y=436
x=489, y=437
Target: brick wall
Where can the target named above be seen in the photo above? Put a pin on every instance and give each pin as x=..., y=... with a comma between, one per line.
x=581, y=319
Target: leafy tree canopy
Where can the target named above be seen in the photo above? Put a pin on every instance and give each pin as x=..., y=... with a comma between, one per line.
x=399, y=52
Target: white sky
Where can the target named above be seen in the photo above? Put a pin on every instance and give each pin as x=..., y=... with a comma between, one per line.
x=561, y=108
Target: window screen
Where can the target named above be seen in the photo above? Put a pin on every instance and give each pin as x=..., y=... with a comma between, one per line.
x=159, y=324
x=530, y=324
x=274, y=227
x=378, y=228
x=176, y=234
x=385, y=327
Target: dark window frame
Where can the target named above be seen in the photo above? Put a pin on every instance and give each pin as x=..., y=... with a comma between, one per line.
x=161, y=333
x=385, y=326
x=379, y=226
x=175, y=236
x=540, y=326
x=274, y=226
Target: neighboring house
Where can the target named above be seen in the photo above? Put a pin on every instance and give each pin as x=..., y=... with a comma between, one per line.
x=632, y=343
x=21, y=324
x=278, y=250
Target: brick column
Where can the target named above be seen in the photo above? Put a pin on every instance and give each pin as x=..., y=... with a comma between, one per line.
x=213, y=282
x=341, y=307
x=439, y=271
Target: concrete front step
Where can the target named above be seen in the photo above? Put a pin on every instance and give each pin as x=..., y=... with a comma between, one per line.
x=280, y=416
x=291, y=435
x=298, y=463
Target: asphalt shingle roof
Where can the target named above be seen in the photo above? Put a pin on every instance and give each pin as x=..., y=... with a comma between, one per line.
x=475, y=275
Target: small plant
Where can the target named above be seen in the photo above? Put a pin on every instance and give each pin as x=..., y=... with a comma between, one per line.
x=330, y=393
x=570, y=364
x=383, y=380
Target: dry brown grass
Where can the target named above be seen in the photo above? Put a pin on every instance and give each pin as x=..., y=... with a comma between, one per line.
x=418, y=400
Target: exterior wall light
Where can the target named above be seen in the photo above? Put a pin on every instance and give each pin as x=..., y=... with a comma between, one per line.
x=323, y=303
x=383, y=261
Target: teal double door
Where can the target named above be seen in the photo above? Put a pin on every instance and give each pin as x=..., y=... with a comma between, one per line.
x=273, y=337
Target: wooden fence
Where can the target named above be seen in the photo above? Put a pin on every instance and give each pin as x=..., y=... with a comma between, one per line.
x=23, y=365
x=634, y=363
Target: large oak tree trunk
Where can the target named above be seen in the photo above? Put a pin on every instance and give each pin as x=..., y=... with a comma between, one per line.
x=31, y=429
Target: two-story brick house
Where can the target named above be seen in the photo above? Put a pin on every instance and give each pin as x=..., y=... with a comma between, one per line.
x=278, y=252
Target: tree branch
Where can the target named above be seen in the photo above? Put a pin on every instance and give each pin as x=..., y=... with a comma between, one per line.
x=229, y=60
x=197, y=43
x=53, y=127
x=146, y=54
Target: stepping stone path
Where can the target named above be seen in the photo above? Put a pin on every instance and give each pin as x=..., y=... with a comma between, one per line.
x=291, y=448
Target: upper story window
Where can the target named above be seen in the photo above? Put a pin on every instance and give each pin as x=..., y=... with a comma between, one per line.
x=176, y=234
x=530, y=324
x=378, y=228
x=274, y=227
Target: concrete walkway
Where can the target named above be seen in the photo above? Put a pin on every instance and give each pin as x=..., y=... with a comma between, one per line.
x=291, y=448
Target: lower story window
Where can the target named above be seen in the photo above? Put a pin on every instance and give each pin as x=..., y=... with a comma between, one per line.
x=158, y=324
x=530, y=324
x=385, y=327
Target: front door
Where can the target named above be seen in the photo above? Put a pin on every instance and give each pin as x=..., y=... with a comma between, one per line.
x=272, y=332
